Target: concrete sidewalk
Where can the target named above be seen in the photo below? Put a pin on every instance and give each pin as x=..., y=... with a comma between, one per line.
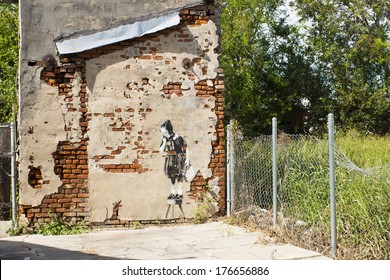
x=210, y=241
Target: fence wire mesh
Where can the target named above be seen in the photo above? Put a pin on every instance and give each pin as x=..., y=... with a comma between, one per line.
x=303, y=177
x=5, y=172
x=303, y=193
x=252, y=174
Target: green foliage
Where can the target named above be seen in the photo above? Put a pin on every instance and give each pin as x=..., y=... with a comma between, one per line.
x=252, y=164
x=362, y=198
x=351, y=42
x=267, y=72
x=136, y=225
x=206, y=208
x=8, y=60
x=372, y=152
x=57, y=226
x=336, y=58
x=15, y=231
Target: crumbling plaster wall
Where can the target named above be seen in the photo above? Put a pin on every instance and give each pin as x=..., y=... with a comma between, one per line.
x=89, y=123
x=128, y=105
x=46, y=121
x=44, y=22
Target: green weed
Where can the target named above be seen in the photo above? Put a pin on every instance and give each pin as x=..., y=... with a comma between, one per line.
x=362, y=198
x=206, y=208
x=56, y=226
x=136, y=225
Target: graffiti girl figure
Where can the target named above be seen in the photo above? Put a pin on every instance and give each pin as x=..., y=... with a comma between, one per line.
x=176, y=158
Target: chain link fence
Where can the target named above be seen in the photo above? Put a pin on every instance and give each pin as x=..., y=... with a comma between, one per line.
x=5, y=172
x=252, y=174
x=303, y=176
x=303, y=193
x=301, y=159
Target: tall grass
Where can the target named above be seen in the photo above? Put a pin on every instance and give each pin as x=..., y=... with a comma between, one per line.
x=362, y=196
x=366, y=151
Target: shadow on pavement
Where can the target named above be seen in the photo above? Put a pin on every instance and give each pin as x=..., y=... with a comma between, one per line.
x=15, y=250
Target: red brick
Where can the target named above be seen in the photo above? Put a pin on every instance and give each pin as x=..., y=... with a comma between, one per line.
x=82, y=214
x=128, y=170
x=147, y=57
x=84, y=204
x=70, y=214
x=33, y=210
x=115, y=170
x=54, y=205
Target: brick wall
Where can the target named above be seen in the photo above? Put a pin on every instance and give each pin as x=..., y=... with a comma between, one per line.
x=71, y=157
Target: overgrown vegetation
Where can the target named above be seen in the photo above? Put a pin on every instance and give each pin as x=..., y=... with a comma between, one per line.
x=302, y=63
x=362, y=197
x=56, y=226
x=8, y=60
x=206, y=207
x=362, y=193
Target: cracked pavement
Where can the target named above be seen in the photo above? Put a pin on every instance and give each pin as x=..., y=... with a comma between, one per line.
x=210, y=241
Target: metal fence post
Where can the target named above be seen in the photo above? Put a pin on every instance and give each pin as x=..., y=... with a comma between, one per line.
x=332, y=185
x=274, y=169
x=232, y=163
x=13, y=181
x=229, y=170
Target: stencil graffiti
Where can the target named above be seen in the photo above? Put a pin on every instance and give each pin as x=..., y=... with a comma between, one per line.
x=177, y=159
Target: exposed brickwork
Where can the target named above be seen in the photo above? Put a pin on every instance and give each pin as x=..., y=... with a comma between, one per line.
x=126, y=127
x=71, y=157
x=35, y=177
x=196, y=16
x=205, y=89
x=71, y=200
x=173, y=88
x=198, y=187
x=124, y=168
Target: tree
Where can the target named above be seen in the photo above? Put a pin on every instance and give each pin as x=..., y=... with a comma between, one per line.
x=350, y=42
x=267, y=71
x=335, y=59
x=8, y=60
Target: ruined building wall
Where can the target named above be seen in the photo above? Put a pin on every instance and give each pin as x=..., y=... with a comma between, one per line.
x=90, y=126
